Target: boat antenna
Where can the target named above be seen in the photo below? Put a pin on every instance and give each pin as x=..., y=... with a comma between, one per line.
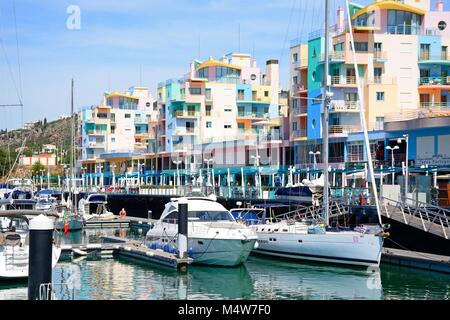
x=326, y=104
x=362, y=115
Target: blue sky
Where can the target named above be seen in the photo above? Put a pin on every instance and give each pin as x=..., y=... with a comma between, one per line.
x=117, y=39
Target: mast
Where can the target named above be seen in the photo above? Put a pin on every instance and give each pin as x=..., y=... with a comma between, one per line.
x=72, y=149
x=326, y=104
x=362, y=114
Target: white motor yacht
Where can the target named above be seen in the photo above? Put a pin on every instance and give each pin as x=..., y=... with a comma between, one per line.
x=214, y=236
x=94, y=206
x=14, y=247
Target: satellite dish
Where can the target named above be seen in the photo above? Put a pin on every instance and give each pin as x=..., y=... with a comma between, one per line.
x=442, y=25
x=253, y=76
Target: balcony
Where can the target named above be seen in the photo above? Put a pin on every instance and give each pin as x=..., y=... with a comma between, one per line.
x=342, y=130
x=298, y=134
x=434, y=81
x=252, y=115
x=435, y=106
x=427, y=57
x=186, y=113
x=300, y=111
x=344, y=106
x=140, y=120
x=96, y=145
x=343, y=81
x=335, y=56
x=299, y=88
x=96, y=132
x=380, y=56
x=186, y=131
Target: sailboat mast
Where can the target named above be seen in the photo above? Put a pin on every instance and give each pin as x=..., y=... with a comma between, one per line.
x=72, y=147
x=326, y=104
x=362, y=113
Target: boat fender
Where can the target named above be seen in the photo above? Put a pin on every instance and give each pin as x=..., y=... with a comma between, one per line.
x=122, y=213
x=190, y=253
x=256, y=246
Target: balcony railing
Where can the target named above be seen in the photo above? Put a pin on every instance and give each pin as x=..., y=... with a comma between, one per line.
x=435, y=106
x=140, y=120
x=93, y=144
x=301, y=133
x=434, y=81
x=186, y=131
x=300, y=110
x=186, y=113
x=342, y=129
x=96, y=132
x=403, y=29
x=333, y=55
x=427, y=56
x=252, y=115
x=343, y=80
x=344, y=106
x=380, y=55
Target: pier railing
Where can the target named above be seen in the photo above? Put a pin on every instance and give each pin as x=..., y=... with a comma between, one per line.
x=419, y=214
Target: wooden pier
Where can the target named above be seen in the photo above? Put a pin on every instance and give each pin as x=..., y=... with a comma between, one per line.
x=127, y=248
x=417, y=260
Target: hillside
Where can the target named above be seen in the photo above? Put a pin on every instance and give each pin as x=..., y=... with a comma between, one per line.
x=56, y=132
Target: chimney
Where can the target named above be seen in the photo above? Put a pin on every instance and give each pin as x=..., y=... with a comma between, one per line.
x=340, y=18
x=439, y=5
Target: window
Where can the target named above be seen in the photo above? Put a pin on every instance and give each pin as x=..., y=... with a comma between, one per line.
x=241, y=94
x=113, y=129
x=227, y=126
x=294, y=126
x=361, y=46
x=208, y=124
x=377, y=74
x=127, y=115
x=377, y=46
x=254, y=95
x=380, y=96
x=102, y=115
x=379, y=124
x=295, y=79
x=208, y=109
x=228, y=110
x=425, y=51
x=295, y=57
x=313, y=76
x=203, y=73
x=266, y=93
x=350, y=96
x=241, y=126
x=314, y=53
x=195, y=91
x=208, y=93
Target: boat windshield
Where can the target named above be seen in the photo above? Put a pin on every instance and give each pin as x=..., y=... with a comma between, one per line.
x=201, y=216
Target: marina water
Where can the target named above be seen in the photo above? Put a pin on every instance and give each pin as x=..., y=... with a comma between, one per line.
x=259, y=278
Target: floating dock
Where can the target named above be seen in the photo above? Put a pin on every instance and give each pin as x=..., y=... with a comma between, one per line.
x=127, y=248
x=417, y=260
x=117, y=222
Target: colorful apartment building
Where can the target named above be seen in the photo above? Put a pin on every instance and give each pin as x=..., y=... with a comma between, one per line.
x=116, y=129
x=401, y=50
x=220, y=100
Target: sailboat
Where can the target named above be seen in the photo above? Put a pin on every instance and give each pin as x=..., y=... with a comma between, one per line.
x=314, y=239
x=69, y=219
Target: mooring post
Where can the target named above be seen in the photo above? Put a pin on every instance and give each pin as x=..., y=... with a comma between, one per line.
x=149, y=214
x=182, y=228
x=40, y=255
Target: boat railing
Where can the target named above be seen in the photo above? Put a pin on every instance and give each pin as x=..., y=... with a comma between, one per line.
x=47, y=291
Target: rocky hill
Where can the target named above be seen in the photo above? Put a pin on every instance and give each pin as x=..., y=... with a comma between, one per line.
x=57, y=132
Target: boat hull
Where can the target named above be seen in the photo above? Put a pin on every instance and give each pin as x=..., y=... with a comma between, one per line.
x=75, y=224
x=349, y=248
x=220, y=252
x=17, y=267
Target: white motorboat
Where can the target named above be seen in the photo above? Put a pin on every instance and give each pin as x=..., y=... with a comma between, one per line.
x=94, y=206
x=14, y=247
x=214, y=236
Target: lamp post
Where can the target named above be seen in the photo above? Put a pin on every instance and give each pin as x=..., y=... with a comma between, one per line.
x=258, y=175
x=208, y=180
x=113, y=168
x=178, y=162
x=399, y=140
x=314, y=154
x=392, y=160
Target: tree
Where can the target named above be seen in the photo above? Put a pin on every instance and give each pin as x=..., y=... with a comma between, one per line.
x=37, y=168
